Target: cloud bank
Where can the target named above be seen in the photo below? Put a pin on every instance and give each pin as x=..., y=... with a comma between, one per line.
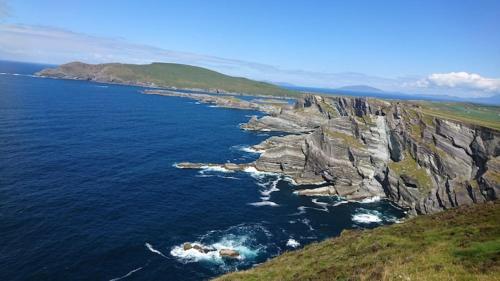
x=461, y=80
x=54, y=45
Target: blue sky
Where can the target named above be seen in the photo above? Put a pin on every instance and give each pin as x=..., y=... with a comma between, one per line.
x=394, y=45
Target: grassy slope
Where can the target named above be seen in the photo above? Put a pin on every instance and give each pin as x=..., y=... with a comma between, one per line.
x=186, y=76
x=482, y=115
x=460, y=244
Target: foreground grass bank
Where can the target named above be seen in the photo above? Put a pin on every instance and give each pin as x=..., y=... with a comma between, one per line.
x=459, y=244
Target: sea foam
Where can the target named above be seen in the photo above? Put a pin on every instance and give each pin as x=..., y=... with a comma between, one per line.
x=292, y=243
x=154, y=250
x=126, y=275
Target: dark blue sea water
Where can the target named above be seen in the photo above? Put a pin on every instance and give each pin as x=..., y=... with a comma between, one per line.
x=88, y=190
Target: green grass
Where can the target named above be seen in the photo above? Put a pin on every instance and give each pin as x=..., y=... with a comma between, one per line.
x=458, y=244
x=345, y=138
x=482, y=115
x=436, y=150
x=183, y=76
x=409, y=167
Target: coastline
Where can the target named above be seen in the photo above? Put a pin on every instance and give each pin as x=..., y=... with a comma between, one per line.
x=357, y=147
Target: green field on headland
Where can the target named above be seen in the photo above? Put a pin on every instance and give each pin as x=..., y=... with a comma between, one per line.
x=166, y=75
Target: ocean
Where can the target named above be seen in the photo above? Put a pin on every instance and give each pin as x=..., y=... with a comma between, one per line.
x=89, y=189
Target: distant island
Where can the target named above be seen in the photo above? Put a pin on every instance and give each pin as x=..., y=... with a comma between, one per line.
x=360, y=88
x=167, y=75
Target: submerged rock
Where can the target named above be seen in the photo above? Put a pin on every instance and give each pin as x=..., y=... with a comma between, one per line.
x=186, y=246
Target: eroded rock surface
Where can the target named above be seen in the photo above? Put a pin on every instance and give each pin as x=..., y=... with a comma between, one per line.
x=358, y=148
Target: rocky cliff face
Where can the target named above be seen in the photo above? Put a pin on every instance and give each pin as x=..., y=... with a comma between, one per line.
x=358, y=148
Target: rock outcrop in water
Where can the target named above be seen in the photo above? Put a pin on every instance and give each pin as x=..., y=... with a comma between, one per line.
x=225, y=101
x=359, y=148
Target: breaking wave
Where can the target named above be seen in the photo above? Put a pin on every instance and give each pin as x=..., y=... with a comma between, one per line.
x=370, y=200
x=247, y=149
x=292, y=243
x=216, y=168
x=150, y=248
x=249, y=241
x=268, y=183
x=126, y=275
x=364, y=216
x=264, y=203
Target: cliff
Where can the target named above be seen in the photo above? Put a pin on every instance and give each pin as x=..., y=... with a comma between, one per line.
x=357, y=148
x=168, y=75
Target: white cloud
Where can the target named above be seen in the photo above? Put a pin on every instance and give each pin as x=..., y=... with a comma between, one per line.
x=460, y=80
x=54, y=45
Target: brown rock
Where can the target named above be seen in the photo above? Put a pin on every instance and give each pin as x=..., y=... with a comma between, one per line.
x=228, y=253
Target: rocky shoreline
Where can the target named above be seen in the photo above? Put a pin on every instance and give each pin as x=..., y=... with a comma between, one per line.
x=224, y=101
x=359, y=148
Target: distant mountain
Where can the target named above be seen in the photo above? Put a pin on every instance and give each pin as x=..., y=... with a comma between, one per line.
x=367, y=91
x=164, y=75
x=494, y=100
x=360, y=88
x=282, y=84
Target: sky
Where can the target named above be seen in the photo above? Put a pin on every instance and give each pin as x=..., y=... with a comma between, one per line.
x=426, y=47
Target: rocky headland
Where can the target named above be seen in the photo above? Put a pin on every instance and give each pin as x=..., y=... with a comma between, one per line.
x=354, y=148
x=358, y=148
x=224, y=101
x=165, y=75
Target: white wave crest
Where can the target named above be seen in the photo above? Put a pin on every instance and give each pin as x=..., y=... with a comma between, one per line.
x=228, y=177
x=258, y=174
x=154, y=250
x=193, y=255
x=126, y=275
x=214, y=168
x=242, y=243
x=273, y=187
x=292, y=243
x=264, y=203
x=290, y=180
x=307, y=222
x=367, y=216
x=340, y=203
x=251, y=150
x=324, y=205
x=370, y=200
x=301, y=211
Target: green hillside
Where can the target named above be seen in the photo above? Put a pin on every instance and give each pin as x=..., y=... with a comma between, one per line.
x=166, y=75
x=459, y=244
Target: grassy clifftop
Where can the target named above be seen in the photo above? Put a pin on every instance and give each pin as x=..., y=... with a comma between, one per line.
x=459, y=244
x=165, y=75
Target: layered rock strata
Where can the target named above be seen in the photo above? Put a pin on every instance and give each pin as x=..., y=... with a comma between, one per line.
x=358, y=148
